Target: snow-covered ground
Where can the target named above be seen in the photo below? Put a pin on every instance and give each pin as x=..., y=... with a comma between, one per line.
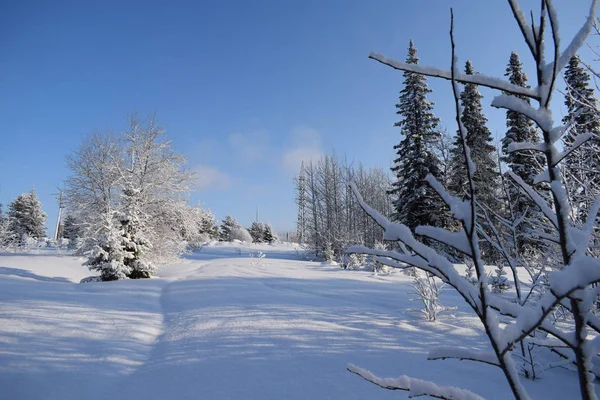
x=220, y=325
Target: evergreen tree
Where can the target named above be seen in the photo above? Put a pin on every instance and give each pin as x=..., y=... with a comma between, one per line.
x=269, y=236
x=525, y=163
x=479, y=140
x=257, y=231
x=582, y=167
x=71, y=228
x=416, y=203
x=110, y=253
x=227, y=225
x=26, y=216
x=133, y=221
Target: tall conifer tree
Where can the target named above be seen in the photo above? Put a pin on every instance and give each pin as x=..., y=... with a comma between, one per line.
x=479, y=140
x=416, y=203
x=524, y=163
x=582, y=168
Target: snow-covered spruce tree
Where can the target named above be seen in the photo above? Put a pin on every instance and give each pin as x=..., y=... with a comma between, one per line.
x=572, y=287
x=227, y=225
x=109, y=254
x=7, y=235
x=526, y=164
x=26, y=216
x=71, y=228
x=269, y=236
x=415, y=202
x=583, y=168
x=134, y=221
x=257, y=231
x=479, y=140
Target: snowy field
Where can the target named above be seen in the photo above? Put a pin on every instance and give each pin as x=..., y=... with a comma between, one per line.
x=219, y=325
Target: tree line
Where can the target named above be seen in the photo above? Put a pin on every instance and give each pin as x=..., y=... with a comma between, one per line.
x=539, y=215
x=329, y=216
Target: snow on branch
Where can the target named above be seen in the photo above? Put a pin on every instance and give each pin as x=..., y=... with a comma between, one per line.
x=478, y=79
x=442, y=353
x=577, y=41
x=526, y=30
x=520, y=146
x=583, y=272
x=541, y=116
x=415, y=387
x=579, y=140
x=543, y=176
x=425, y=258
x=458, y=240
x=539, y=201
x=590, y=224
x=459, y=208
x=405, y=259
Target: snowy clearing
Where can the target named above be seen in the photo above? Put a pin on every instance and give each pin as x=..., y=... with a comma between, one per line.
x=223, y=325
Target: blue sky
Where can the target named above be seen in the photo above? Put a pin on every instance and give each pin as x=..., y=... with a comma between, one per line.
x=246, y=89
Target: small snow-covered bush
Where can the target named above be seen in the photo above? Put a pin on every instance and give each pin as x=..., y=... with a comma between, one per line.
x=257, y=258
x=429, y=290
x=499, y=281
x=240, y=233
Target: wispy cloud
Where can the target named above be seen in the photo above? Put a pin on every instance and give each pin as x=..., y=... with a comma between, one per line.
x=305, y=146
x=211, y=178
x=250, y=146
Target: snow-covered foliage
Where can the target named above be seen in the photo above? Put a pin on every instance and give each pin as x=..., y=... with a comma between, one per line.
x=499, y=282
x=26, y=216
x=269, y=235
x=582, y=169
x=571, y=287
x=239, y=233
x=479, y=139
x=428, y=288
x=226, y=226
x=134, y=185
x=257, y=231
x=415, y=202
x=8, y=238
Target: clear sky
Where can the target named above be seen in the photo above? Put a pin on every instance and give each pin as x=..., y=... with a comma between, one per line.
x=246, y=89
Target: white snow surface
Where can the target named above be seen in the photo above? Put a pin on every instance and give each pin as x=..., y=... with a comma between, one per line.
x=219, y=325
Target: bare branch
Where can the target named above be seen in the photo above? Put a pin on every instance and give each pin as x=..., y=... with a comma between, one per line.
x=442, y=353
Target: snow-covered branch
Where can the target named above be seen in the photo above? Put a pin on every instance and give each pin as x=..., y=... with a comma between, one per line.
x=415, y=387
x=479, y=79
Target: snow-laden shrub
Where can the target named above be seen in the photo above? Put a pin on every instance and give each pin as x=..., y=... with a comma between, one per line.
x=429, y=290
x=240, y=233
x=356, y=261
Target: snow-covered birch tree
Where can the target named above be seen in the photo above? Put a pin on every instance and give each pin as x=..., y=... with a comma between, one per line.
x=129, y=192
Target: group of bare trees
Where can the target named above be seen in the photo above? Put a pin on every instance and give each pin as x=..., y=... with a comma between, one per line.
x=329, y=217
x=557, y=306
